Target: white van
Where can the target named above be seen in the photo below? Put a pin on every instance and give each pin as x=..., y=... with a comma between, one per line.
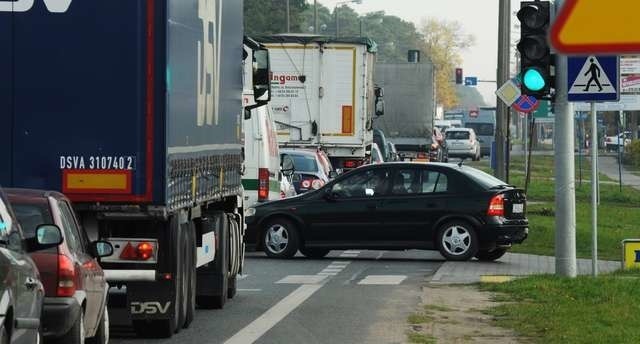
x=262, y=177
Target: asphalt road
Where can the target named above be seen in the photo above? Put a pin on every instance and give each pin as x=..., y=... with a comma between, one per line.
x=347, y=297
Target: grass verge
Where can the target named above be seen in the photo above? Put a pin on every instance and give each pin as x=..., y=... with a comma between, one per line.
x=618, y=213
x=549, y=309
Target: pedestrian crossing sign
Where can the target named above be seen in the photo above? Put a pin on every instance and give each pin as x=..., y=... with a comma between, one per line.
x=593, y=78
x=631, y=254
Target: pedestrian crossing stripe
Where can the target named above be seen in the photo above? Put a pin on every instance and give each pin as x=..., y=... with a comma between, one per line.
x=592, y=78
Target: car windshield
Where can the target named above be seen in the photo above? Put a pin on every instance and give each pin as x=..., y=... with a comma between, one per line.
x=486, y=180
x=482, y=129
x=457, y=135
x=32, y=215
x=304, y=163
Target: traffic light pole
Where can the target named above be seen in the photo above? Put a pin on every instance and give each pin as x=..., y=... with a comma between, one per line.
x=565, y=188
x=502, y=111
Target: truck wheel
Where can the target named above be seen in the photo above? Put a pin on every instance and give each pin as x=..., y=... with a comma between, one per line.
x=280, y=238
x=191, y=276
x=232, y=289
x=221, y=263
x=457, y=241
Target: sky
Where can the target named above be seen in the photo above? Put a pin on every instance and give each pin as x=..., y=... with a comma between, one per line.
x=478, y=17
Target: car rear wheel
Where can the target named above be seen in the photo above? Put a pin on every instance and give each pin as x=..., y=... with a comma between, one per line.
x=491, y=255
x=280, y=238
x=314, y=253
x=76, y=334
x=457, y=241
x=102, y=334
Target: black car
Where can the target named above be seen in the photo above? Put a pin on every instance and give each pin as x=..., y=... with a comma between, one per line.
x=458, y=210
x=21, y=288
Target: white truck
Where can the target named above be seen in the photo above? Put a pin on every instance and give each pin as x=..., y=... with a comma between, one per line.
x=323, y=94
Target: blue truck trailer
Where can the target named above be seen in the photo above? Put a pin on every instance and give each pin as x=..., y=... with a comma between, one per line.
x=133, y=108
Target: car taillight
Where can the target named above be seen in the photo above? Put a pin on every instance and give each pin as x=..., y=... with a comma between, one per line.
x=496, y=206
x=66, y=277
x=142, y=251
x=282, y=195
x=422, y=156
x=263, y=184
x=317, y=183
x=306, y=183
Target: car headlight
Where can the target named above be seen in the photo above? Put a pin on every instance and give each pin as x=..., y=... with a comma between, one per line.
x=251, y=211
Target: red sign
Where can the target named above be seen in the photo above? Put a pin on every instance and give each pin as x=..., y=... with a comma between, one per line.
x=474, y=113
x=526, y=104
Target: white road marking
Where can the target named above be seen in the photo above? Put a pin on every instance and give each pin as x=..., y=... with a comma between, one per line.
x=349, y=255
x=351, y=251
x=336, y=267
x=302, y=279
x=275, y=314
x=322, y=273
x=332, y=270
x=249, y=289
x=340, y=262
x=383, y=280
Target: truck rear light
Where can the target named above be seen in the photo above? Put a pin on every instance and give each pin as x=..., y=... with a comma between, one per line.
x=141, y=251
x=66, y=277
x=496, y=206
x=352, y=163
x=263, y=184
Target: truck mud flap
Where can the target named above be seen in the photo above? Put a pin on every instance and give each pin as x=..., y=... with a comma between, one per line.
x=150, y=301
x=211, y=276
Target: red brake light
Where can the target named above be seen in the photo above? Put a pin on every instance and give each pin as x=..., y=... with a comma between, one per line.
x=263, y=184
x=66, y=277
x=145, y=250
x=350, y=164
x=422, y=156
x=496, y=206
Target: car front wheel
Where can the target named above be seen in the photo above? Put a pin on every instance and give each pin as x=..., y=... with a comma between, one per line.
x=457, y=241
x=280, y=238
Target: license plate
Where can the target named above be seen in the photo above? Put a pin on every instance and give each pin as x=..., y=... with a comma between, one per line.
x=518, y=208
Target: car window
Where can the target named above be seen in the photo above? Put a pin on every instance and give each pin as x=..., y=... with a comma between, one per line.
x=9, y=231
x=367, y=183
x=304, y=163
x=482, y=129
x=457, y=135
x=69, y=228
x=416, y=181
x=484, y=179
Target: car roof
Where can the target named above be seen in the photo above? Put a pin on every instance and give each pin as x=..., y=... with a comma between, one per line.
x=459, y=129
x=31, y=195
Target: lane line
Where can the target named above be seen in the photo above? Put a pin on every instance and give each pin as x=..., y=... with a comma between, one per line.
x=275, y=314
x=249, y=289
x=336, y=267
x=332, y=270
x=327, y=273
x=383, y=280
x=340, y=262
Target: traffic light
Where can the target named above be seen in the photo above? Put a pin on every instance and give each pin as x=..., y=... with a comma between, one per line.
x=536, y=61
x=458, y=76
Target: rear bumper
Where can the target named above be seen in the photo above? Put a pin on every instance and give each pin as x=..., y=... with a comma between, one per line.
x=58, y=315
x=461, y=151
x=502, y=235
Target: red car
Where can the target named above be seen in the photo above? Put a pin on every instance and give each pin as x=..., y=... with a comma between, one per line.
x=75, y=304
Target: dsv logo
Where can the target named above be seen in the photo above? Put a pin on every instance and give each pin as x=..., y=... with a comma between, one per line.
x=53, y=6
x=153, y=307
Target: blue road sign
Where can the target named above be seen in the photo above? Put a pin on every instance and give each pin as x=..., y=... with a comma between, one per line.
x=594, y=78
x=526, y=104
x=471, y=81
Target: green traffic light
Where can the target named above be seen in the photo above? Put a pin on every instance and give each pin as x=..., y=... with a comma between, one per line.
x=534, y=80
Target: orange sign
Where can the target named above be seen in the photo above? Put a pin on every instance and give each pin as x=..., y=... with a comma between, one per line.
x=597, y=26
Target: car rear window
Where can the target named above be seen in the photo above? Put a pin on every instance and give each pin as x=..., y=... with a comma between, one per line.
x=484, y=179
x=32, y=215
x=482, y=129
x=457, y=135
x=304, y=163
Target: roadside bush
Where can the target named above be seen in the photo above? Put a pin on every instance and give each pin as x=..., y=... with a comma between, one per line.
x=632, y=154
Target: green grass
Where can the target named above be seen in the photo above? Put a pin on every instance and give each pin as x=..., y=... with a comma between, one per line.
x=618, y=213
x=419, y=318
x=419, y=338
x=581, y=310
x=438, y=308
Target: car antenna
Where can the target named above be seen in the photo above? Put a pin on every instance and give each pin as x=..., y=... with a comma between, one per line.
x=460, y=163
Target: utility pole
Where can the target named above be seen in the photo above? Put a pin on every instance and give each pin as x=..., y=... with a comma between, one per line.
x=288, y=19
x=335, y=11
x=504, y=44
x=565, y=188
x=315, y=16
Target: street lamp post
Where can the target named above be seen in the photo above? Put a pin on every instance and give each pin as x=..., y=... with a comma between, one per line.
x=335, y=12
x=288, y=20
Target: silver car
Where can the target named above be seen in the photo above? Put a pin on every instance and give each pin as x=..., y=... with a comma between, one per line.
x=462, y=143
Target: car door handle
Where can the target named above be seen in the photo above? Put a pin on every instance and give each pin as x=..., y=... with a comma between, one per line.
x=31, y=283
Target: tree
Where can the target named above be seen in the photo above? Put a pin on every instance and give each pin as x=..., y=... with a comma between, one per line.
x=443, y=41
x=263, y=17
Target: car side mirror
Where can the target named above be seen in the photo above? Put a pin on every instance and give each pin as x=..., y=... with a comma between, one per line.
x=101, y=249
x=333, y=174
x=286, y=166
x=47, y=236
x=261, y=74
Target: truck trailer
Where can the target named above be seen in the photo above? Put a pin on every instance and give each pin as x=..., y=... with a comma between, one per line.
x=324, y=94
x=133, y=109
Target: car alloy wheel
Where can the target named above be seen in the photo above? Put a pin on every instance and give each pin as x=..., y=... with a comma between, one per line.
x=456, y=240
x=277, y=238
